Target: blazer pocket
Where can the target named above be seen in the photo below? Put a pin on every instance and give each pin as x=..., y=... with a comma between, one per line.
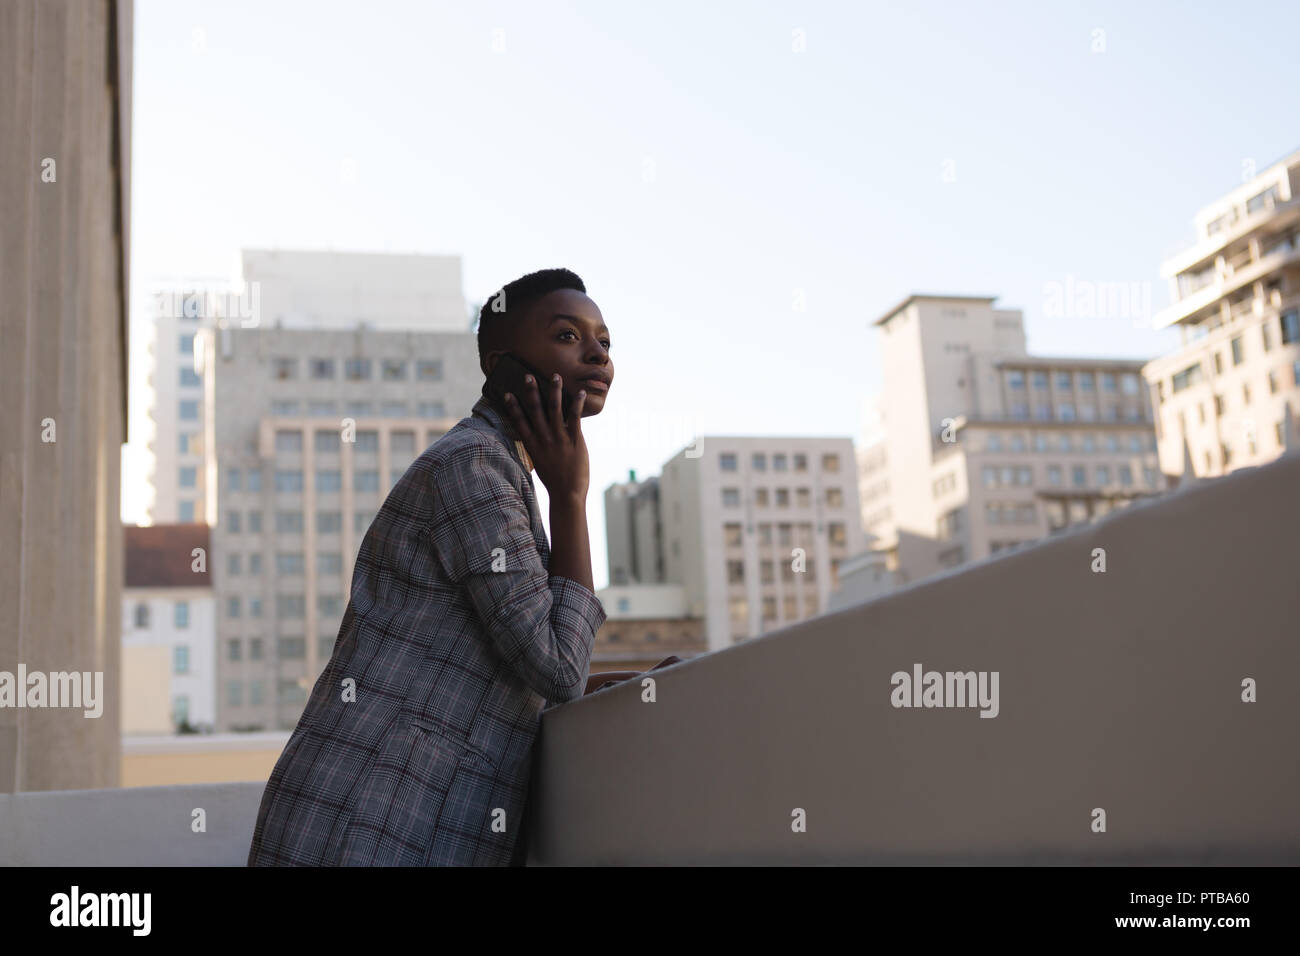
x=395, y=810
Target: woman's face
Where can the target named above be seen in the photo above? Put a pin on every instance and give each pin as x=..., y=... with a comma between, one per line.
x=564, y=332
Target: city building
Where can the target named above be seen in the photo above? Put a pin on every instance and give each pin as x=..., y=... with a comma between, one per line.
x=169, y=671
x=982, y=447
x=633, y=532
x=753, y=529
x=277, y=289
x=305, y=432
x=1222, y=398
x=65, y=192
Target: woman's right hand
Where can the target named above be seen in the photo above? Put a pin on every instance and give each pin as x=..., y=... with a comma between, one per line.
x=556, y=446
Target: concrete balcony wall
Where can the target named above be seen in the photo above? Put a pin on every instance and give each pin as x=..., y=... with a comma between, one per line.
x=1119, y=690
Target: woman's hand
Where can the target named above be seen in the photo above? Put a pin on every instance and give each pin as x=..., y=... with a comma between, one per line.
x=557, y=447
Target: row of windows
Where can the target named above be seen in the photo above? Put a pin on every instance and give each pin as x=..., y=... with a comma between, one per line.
x=1087, y=443
x=288, y=607
x=1005, y=512
x=1289, y=326
x=331, y=479
x=284, y=368
x=833, y=497
x=290, y=440
x=316, y=409
x=728, y=461
x=290, y=693
x=836, y=531
x=291, y=522
x=1008, y=476
x=286, y=562
x=767, y=571
x=1068, y=412
x=288, y=648
x=944, y=484
x=1065, y=381
x=739, y=609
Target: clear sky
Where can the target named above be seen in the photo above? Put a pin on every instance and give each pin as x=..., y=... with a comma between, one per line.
x=740, y=211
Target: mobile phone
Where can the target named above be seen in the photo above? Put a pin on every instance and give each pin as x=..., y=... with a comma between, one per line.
x=508, y=376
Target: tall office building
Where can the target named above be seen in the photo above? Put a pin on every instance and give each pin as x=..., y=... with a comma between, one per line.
x=305, y=431
x=277, y=289
x=983, y=447
x=1222, y=398
x=633, y=532
x=753, y=530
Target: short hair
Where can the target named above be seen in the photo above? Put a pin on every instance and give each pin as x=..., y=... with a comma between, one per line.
x=505, y=307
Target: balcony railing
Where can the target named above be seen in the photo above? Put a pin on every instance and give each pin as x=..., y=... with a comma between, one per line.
x=1141, y=666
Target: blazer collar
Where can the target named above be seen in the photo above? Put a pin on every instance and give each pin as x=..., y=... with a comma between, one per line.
x=486, y=409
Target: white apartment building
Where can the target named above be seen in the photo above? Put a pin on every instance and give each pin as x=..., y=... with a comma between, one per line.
x=1227, y=397
x=168, y=630
x=754, y=529
x=306, y=432
x=277, y=289
x=983, y=448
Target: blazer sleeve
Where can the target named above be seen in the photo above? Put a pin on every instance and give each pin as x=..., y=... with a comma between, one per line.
x=543, y=626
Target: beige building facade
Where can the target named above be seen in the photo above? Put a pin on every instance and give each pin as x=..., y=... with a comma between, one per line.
x=983, y=448
x=1229, y=396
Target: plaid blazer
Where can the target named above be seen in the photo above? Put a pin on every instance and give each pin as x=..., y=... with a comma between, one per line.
x=415, y=747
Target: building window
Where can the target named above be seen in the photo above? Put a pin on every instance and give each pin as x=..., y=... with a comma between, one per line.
x=830, y=462
x=1040, y=442
x=181, y=659
x=188, y=477
x=1112, y=443
x=731, y=497
x=356, y=369
x=1040, y=379
x=800, y=461
x=429, y=370
x=431, y=410
x=289, y=606
x=329, y=522
x=322, y=409
x=1020, y=411
x=1238, y=352
x=362, y=520
x=948, y=524
x=187, y=343
x=779, y=462
x=181, y=709
x=953, y=557
x=993, y=442
x=289, y=562
x=1087, y=382
x=284, y=368
x=288, y=479
x=255, y=560
x=759, y=461
x=189, y=377
x=1103, y=475
x=329, y=605
x=254, y=607
x=766, y=572
x=1054, y=475
x=1017, y=442
x=366, y=480
x=1015, y=379
x=727, y=461
x=234, y=650
x=769, y=608
x=837, y=533
x=233, y=564
x=329, y=479
x=761, y=497
x=803, y=497
x=1043, y=411
x=322, y=368
x=1064, y=381
x=288, y=522
x=1290, y=321
x=731, y=534
x=288, y=441
x=367, y=441
x=735, y=572
x=394, y=370
x=764, y=534
x=1079, y=476
x=361, y=409
x=783, y=497
x=186, y=512
x=189, y=410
